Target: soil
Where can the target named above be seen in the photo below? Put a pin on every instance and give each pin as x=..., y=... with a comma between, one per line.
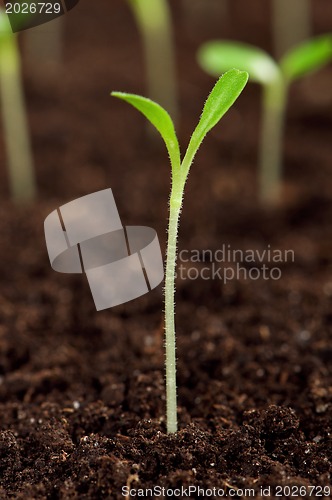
x=82, y=396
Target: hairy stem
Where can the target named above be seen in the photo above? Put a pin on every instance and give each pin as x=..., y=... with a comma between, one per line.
x=170, y=339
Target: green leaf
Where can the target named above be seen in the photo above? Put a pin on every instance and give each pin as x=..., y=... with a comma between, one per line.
x=222, y=97
x=219, y=56
x=161, y=120
x=308, y=57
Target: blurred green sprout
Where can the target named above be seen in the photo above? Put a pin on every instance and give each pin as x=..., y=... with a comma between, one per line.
x=215, y=57
x=291, y=24
x=14, y=119
x=222, y=97
x=153, y=18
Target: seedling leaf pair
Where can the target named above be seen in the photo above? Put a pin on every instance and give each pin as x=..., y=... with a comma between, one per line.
x=222, y=97
x=218, y=56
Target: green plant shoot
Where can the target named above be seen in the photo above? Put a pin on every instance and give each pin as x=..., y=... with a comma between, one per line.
x=19, y=156
x=216, y=57
x=222, y=97
x=153, y=19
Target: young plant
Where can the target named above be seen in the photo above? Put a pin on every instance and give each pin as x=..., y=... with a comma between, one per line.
x=15, y=127
x=222, y=97
x=153, y=19
x=216, y=57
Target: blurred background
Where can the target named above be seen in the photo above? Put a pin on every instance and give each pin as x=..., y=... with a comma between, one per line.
x=82, y=140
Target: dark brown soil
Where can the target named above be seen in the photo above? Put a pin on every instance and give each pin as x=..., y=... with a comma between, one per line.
x=82, y=397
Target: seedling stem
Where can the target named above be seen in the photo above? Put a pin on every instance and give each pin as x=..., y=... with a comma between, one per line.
x=273, y=120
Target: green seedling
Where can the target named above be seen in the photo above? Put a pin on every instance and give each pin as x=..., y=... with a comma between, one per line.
x=153, y=19
x=222, y=97
x=216, y=57
x=15, y=126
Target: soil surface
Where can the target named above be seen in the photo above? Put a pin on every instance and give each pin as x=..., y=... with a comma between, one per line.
x=82, y=396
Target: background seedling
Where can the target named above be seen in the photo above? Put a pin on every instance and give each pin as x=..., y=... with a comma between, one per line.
x=205, y=16
x=153, y=19
x=218, y=56
x=291, y=24
x=15, y=126
x=44, y=44
x=223, y=95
